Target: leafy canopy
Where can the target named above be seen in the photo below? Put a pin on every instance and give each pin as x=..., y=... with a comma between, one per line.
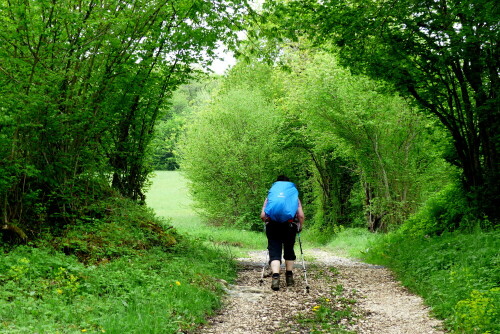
x=442, y=54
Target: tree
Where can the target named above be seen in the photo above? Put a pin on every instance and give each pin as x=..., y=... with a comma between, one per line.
x=228, y=156
x=359, y=138
x=347, y=145
x=184, y=102
x=82, y=85
x=444, y=54
x=233, y=149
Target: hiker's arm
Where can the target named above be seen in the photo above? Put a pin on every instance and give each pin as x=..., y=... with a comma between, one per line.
x=300, y=215
x=263, y=213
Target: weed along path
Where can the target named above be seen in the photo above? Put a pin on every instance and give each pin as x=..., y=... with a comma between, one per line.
x=345, y=296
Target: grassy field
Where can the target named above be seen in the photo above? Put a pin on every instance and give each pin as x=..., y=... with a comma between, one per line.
x=168, y=196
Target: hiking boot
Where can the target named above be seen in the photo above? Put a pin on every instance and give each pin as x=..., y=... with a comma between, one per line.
x=275, y=283
x=289, y=280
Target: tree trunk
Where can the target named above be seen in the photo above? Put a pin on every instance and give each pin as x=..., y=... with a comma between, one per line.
x=13, y=231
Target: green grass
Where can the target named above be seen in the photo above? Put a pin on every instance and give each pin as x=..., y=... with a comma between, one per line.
x=457, y=274
x=125, y=272
x=168, y=196
x=128, y=271
x=48, y=292
x=353, y=242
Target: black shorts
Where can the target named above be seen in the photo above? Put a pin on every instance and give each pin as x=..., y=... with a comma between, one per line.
x=281, y=237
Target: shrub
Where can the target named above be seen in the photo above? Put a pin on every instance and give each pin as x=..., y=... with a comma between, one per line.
x=230, y=159
x=448, y=210
x=124, y=229
x=480, y=312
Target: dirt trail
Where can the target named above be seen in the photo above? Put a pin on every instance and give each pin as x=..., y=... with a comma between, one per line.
x=382, y=305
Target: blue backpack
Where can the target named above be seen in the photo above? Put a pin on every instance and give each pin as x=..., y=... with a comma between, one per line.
x=282, y=201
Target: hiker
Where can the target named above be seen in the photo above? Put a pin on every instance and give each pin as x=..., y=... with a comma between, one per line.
x=282, y=212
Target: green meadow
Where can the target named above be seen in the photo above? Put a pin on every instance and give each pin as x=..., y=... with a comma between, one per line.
x=169, y=197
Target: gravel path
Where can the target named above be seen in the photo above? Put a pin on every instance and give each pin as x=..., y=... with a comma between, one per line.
x=346, y=295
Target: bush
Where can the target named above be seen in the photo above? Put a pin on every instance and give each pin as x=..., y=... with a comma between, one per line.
x=448, y=210
x=479, y=313
x=230, y=159
x=124, y=228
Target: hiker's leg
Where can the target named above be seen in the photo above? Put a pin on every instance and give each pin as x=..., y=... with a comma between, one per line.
x=275, y=266
x=289, y=273
x=274, y=246
x=288, y=244
x=289, y=253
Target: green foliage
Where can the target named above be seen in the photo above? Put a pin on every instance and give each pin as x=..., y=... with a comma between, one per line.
x=441, y=55
x=457, y=274
x=479, y=313
x=370, y=150
x=354, y=150
x=145, y=290
x=230, y=155
x=82, y=86
x=184, y=102
x=446, y=211
x=126, y=229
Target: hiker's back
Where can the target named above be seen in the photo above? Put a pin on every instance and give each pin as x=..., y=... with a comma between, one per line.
x=282, y=201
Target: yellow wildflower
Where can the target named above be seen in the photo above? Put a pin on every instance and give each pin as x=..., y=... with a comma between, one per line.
x=59, y=291
x=177, y=283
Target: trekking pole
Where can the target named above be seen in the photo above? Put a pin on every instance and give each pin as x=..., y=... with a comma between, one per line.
x=303, y=264
x=265, y=263
x=264, y=268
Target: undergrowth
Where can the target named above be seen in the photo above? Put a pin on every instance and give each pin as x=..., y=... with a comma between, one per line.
x=128, y=272
x=457, y=274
